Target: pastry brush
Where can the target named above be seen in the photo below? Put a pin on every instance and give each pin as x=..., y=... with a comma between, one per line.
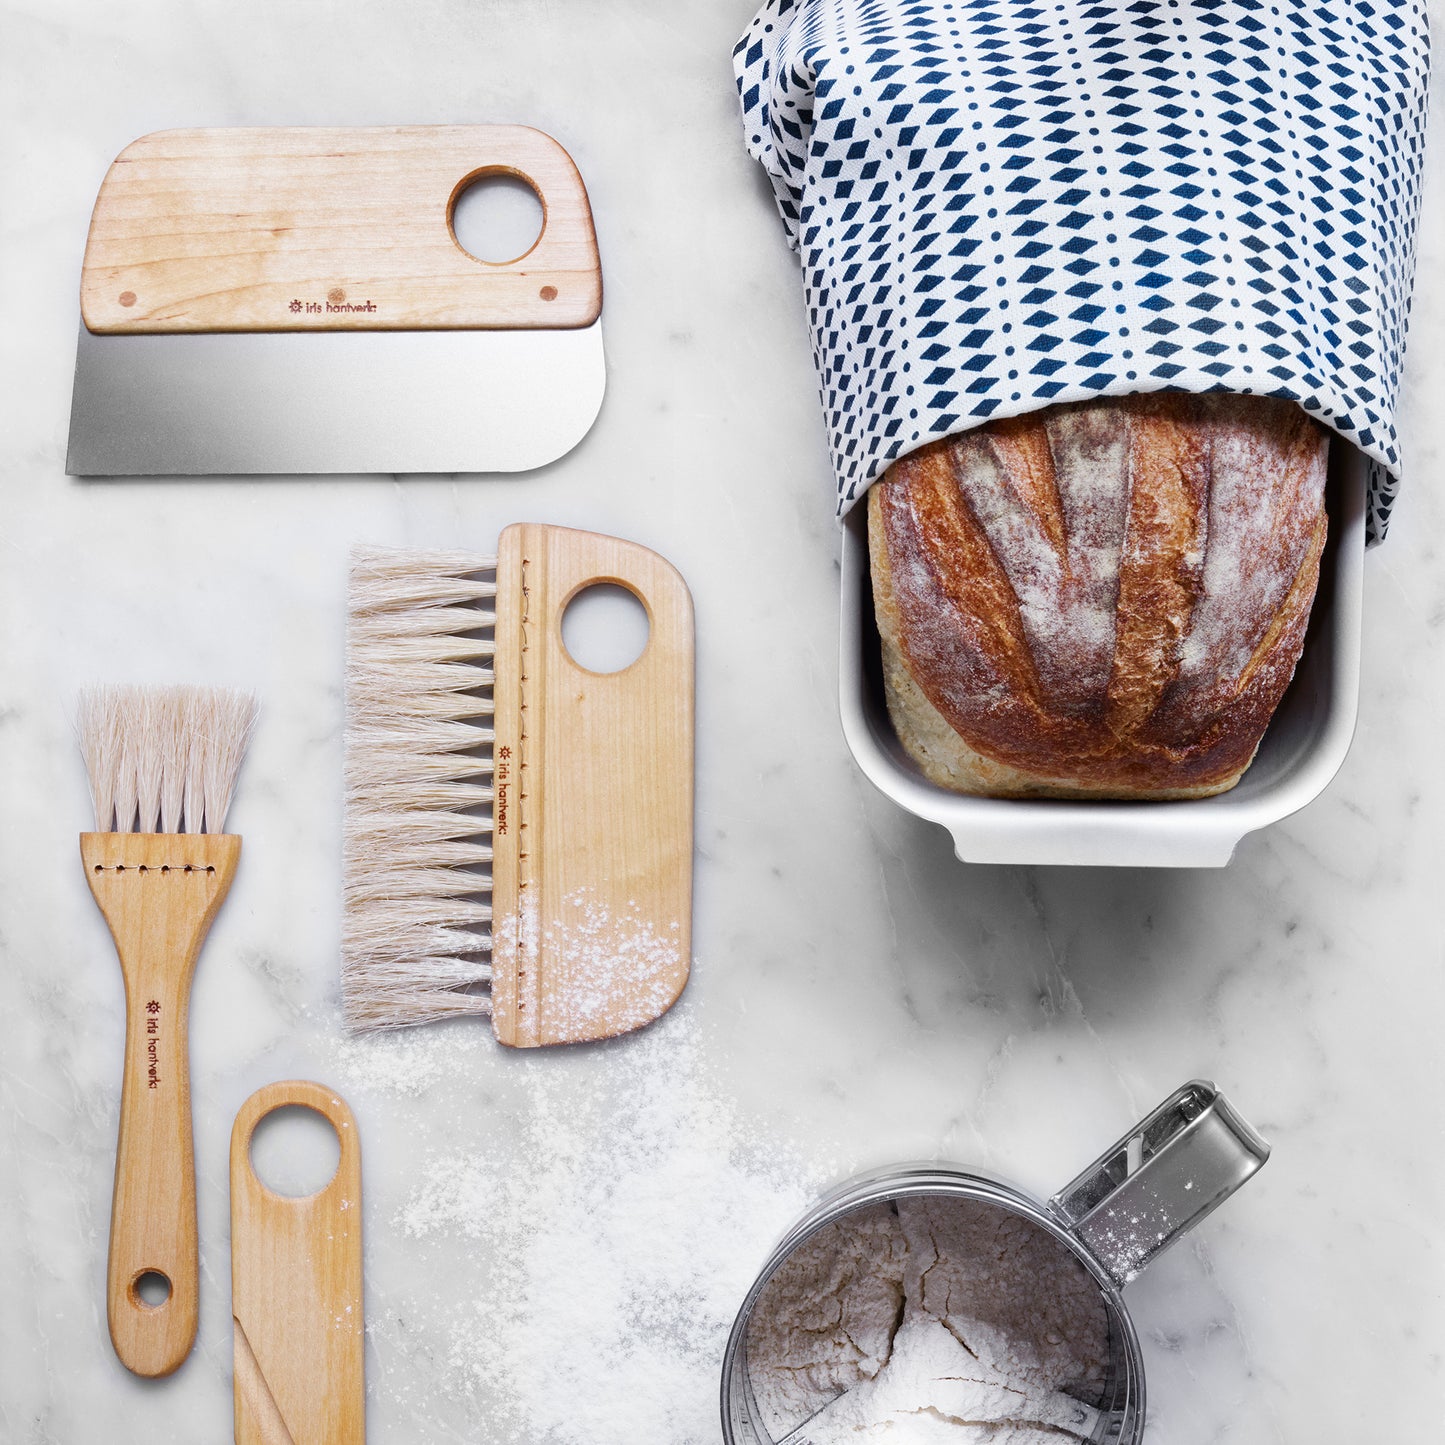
x=163, y=765
x=518, y=837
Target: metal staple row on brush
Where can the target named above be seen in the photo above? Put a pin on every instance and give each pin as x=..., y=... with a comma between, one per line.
x=416, y=933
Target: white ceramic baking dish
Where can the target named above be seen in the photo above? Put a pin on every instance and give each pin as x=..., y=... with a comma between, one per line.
x=1302, y=750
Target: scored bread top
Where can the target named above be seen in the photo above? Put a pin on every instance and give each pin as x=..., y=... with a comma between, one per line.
x=1106, y=597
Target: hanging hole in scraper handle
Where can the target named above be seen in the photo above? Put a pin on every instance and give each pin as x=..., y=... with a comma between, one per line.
x=497, y=216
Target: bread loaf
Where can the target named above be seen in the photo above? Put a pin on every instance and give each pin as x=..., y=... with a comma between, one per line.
x=1105, y=599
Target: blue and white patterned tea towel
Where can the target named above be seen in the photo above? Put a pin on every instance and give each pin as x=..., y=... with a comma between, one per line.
x=1002, y=205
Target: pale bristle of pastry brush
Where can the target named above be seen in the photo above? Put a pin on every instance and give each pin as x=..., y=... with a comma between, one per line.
x=416, y=932
x=163, y=759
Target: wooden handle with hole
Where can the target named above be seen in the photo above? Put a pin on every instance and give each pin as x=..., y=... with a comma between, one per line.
x=159, y=893
x=593, y=786
x=296, y=1288
x=323, y=229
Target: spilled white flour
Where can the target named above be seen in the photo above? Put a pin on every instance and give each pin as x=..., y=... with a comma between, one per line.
x=601, y=971
x=928, y=1320
x=620, y=1238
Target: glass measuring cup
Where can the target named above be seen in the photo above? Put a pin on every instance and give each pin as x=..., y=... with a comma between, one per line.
x=1175, y=1166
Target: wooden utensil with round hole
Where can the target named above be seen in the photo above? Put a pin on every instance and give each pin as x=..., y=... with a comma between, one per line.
x=225, y=229
x=296, y=1293
x=528, y=852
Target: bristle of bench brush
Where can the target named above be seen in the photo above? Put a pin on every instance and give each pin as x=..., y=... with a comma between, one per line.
x=417, y=848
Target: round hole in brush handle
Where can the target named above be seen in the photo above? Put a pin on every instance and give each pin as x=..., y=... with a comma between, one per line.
x=152, y=1278
x=158, y=893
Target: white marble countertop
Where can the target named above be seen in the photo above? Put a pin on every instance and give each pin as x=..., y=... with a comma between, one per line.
x=556, y=1244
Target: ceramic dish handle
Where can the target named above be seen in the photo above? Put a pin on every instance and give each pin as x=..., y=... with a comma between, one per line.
x=1182, y=1161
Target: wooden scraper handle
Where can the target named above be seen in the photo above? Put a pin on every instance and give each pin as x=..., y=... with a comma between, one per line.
x=324, y=229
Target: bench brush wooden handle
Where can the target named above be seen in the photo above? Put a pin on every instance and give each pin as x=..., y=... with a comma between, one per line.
x=593, y=822
x=159, y=893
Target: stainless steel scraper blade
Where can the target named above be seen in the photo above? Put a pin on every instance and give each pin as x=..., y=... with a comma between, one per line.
x=337, y=401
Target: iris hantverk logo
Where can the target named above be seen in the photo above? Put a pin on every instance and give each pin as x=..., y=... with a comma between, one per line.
x=153, y=1030
x=504, y=776
x=335, y=304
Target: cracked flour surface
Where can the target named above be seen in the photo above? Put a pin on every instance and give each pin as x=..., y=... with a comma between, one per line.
x=930, y=1319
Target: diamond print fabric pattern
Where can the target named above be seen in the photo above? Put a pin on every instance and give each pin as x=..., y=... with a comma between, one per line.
x=1000, y=206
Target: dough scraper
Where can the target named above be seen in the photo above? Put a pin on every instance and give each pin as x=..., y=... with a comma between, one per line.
x=284, y=300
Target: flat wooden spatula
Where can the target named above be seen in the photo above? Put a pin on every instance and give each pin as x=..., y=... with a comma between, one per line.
x=299, y=1339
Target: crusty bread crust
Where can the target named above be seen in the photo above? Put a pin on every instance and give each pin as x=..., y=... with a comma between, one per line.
x=1106, y=599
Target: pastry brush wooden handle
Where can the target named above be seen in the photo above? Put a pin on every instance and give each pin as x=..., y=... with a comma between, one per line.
x=159, y=893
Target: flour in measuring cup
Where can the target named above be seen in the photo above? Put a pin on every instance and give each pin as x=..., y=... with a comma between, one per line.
x=930, y=1320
